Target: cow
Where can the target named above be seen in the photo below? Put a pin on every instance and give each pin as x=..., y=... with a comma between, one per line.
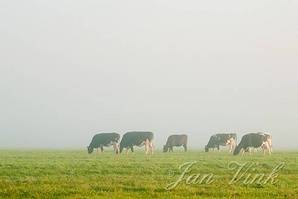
x=137, y=138
x=222, y=139
x=104, y=140
x=254, y=140
x=175, y=140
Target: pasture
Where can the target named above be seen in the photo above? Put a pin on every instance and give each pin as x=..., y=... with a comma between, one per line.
x=76, y=174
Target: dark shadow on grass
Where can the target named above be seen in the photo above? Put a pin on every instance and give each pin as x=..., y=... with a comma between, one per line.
x=134, y=189
x=102, y=189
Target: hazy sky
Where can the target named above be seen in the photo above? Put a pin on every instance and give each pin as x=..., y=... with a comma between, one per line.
x=70, y=69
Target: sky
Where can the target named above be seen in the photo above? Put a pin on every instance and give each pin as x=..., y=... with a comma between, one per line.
x=70, y=69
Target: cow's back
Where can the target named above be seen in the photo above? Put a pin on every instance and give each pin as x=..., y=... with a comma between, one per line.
x=104, y=139
x=222, y=138
x=135, y=138
x=252, y=140
x=177, y=140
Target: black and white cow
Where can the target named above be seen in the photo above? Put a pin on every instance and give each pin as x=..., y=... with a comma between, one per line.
x=175, y=140
x=254, y=140
x=104, y=140
x=137, y=138
x=222, y=139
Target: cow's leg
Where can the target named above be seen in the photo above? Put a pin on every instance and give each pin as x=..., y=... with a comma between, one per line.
x=127, y=150
x=150, y=148
x=269, y=150
x=228, y=143
x=101, y=148
x=131, y=148
x=270, y=145
x=230, y=147
x=146, y=146
x=171, y=149
x=269, y=141
x=116, y=147
x=263, y=147
x=243, y=151
x=234, y=146
x=185, y=147
x=267, y=147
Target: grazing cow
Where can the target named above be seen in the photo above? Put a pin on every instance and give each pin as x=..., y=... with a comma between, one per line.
x=253, y=140
x=175, y=140
x=104, y=139
x=137, y=138
x=222, y=139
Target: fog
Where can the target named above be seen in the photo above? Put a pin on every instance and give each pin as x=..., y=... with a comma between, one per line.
x=71, y=69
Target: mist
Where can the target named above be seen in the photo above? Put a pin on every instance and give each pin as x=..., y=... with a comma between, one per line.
x=71, y=69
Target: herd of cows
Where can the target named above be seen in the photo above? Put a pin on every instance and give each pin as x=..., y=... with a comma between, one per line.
x=143, y=138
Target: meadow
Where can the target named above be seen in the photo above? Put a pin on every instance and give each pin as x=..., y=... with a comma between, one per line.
x=76, y=174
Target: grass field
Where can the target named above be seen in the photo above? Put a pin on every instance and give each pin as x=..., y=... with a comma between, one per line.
x=75, y=174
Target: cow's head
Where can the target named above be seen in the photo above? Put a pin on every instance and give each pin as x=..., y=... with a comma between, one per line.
x=237, y=150
x=90, y=149
x=206, y=149
x=165, y=148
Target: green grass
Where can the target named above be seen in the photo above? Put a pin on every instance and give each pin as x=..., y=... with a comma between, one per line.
x=75, y=174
